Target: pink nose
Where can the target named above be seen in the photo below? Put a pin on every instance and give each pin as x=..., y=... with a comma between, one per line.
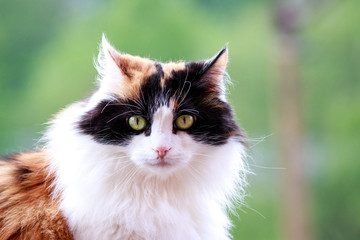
x=162, y=151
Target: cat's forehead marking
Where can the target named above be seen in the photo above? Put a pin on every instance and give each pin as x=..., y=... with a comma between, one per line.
x=169, y=68
x=174, y=104
x=135, y=70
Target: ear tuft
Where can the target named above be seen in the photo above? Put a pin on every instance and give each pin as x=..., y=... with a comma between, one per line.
x=214, y=71
x=107, y=65
x=109, y=51
x=219, y=61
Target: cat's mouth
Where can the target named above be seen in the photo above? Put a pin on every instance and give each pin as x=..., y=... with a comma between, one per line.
x=161, y=163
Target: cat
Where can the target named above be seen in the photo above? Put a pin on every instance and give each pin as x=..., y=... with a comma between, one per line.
x=153, y=153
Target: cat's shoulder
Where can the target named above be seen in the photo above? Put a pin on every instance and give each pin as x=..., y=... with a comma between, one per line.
x=27, y=209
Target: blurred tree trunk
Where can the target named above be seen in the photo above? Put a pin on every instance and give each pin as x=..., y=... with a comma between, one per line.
x=295, y=219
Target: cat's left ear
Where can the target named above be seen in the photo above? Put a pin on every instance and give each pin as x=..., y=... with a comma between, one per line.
x=214, y=71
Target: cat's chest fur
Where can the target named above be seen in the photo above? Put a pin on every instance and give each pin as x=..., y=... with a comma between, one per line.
x=150, y=217
x=163, y=220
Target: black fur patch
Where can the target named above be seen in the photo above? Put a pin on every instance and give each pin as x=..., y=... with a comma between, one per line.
x=108, y=122
x=214, y=124
x=22, y=174
x=214, y=119
x=159, y=69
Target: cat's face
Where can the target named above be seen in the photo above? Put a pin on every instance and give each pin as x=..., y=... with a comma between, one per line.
x=163, y=116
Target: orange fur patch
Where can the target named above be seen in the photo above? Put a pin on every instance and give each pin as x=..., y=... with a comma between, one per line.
x=27, y=210
x=174, y=104
x=168, y=69
x=135, y=70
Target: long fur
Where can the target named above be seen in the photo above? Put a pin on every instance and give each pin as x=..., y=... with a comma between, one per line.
x=96, y=178
x=101, y=187
x=28, y=208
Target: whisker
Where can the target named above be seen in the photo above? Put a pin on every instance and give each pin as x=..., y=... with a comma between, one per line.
x=124, y=104
x=252, y=209
x=201, y=154
x=182, y=88
x=187, y=91
x=119, y=115
x=102, y=110
x=103, y=130
x=268, y=168
x=193, y=111
x=258, y=140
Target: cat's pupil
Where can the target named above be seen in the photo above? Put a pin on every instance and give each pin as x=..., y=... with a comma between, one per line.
x=137, y=121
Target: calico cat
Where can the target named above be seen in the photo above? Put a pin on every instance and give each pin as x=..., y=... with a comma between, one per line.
x=154, y=153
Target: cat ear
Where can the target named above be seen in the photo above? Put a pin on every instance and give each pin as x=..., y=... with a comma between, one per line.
x=214, y=72
x=109, y=65
x=121, y=72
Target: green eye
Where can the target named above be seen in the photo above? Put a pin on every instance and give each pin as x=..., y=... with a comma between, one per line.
x=137, y=123
x=184, y=122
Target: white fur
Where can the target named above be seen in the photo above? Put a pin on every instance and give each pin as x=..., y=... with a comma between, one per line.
x=142, y=149
x=107, y=191
x=109, y=74
x=115, y=192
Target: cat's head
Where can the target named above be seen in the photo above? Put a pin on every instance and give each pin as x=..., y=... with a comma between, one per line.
x=163, y=115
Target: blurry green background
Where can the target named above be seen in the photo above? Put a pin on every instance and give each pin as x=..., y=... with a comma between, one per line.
x=46, y=62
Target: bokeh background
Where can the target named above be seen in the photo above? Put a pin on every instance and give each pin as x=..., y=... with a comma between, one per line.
x=295, y=67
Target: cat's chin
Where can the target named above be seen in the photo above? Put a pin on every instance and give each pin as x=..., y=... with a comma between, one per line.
x=162, y=167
